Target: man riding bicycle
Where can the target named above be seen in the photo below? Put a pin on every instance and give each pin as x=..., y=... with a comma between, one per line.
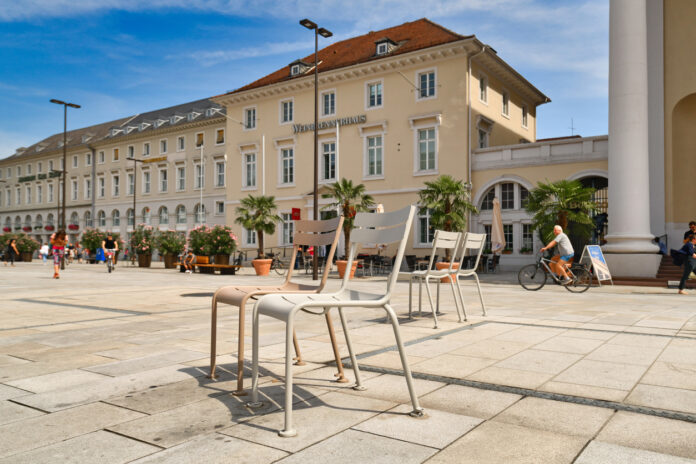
x=110, y=247
x=565, y=253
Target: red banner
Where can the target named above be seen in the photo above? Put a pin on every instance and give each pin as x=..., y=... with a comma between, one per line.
x=296, y=214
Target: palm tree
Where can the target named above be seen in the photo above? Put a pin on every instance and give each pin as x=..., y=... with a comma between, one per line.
x=258, y=213
x=448, y=202
x=564, y=202
x=350, y=199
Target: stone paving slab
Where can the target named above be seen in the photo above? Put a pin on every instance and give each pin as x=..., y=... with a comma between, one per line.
x=56, y=381
x=12, y=412
x=606, y=453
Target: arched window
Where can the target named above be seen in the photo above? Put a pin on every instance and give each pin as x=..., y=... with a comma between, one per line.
x=116, y=218
x=181, y=214
x=49, y=219
x=487, y=202
x=18, y=223
x=27, y=221
x=147, y=219
x=164, y=215
x=74, y=218
x=39, y=221
x=199, y=213
x=101, y=218
x=517, y=229
x=88, y=219
x=130, y=216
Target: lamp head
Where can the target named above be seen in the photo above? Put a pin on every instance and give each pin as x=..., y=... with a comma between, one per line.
x=308, y=24
x=324, y=32
x=58, y=102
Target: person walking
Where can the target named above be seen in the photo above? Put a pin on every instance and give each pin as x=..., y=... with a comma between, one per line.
x=58, y=242
x=689, y=250
x=11, y=252
x=43, y=251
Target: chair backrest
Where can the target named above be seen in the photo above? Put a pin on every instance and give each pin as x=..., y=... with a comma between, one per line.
x=444, y=240
x=316, y=234
x=472, y=245
x=382, y=228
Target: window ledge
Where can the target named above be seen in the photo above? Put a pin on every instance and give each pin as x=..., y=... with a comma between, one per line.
x=426, y=173
x=373, y=177
x=249, y=189
x=280, y=186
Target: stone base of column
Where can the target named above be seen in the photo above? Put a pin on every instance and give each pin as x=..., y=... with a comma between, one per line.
x=633, y=264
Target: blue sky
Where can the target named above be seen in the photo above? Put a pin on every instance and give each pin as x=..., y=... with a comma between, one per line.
x=122, y=57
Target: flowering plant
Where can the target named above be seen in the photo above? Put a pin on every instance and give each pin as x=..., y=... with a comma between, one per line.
x=170, y=242
x=200, y=241
x=223, y=240
x=26, y=228
x=25, y=244
x=142, y=240
x=49, y=227
x=7, y=229
x=73, y=227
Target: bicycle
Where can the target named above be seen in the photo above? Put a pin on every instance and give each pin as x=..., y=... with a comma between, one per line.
x=110, y=260
x=533, y=277
x=277, y=264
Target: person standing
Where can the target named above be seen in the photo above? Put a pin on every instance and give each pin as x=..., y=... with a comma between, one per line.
x=11, y=252
x=689, y=250
x=43, y=251
x=58, y=242
x=691, y=231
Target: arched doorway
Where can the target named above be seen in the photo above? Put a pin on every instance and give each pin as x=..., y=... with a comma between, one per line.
x=683, y=187
x=601, y=201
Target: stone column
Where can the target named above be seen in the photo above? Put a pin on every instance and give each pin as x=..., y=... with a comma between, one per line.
x=629, y=248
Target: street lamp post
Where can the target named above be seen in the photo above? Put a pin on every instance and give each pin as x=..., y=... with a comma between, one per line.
x=326, y=34
x=135, y=185
x=65, y=156
x=60, y=174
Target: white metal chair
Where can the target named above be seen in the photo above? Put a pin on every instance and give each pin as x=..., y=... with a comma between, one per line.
x=472, y=246
x=369, y=228
x=442, y=240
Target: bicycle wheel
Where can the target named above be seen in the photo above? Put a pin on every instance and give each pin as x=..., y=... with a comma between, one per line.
x=279, y=267
x=531, y=277
x=108, y=266
x=581, y=281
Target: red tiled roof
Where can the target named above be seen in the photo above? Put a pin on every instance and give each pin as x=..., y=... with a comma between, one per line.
x=412, y=36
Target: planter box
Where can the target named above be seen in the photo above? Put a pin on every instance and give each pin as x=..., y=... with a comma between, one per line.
x=144, y=260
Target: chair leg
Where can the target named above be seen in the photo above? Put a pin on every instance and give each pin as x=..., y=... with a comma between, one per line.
x=298, y=356
x=340, y=377
x=417, y=410
x=255, y=403
x=288, y=431
x=461, y=298
x=353, y=359
x=420, y=297
x=437, y=300
x=213, y=338
x=454, y=294
x=240, y=351
x=410, y=296
x=483, y=305
x=430, y=298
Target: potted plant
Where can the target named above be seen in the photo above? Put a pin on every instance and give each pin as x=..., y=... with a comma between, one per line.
x=142, y=242
x=92, y=240
x=26, y=247
x=258, y=214
x=26, y=228
x=525, y=251
x=49, y=228
x=223, y=242
x=448, y=202
x=201, y=245
x=7, y=229
x=73, y=227
x=170, y=244
x=350, y=199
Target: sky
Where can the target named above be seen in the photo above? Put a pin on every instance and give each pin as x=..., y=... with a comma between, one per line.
x=122, y=57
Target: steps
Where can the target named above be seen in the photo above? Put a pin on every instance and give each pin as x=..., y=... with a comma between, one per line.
x=666, y=272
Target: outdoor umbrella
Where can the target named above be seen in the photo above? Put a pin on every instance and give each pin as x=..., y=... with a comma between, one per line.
x=497, y=235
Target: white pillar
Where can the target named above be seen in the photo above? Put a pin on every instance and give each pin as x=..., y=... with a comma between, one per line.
x=629, y=168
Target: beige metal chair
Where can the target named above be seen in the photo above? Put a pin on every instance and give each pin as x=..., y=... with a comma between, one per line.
x=442, y=240
x=369, y=228
x=472, y=245
x=307, y=233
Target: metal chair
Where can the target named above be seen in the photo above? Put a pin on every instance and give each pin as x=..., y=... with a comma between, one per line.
x=369, y=228
x=310, y=233
x=442, y=241
x=472, y=246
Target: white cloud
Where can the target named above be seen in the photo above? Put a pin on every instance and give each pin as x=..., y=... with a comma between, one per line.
x=213, y=57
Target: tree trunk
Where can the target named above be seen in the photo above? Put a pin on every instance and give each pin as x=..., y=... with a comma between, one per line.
x=260, y=238
x=346, y=249
x=563, y=220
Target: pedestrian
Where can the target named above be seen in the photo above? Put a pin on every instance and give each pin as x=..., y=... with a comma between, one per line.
x=11, y=252
x=78, y=248
x=43, y=251
x=692, y=230
x=58, y=243
x=689, y=251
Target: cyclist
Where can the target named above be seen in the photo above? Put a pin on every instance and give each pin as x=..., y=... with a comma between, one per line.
x=565, y=253
x=110, y=247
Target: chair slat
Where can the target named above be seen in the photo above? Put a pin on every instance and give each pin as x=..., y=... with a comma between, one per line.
x=325, y=225
x=301, y=238
x=390, y=219
x=384, y=236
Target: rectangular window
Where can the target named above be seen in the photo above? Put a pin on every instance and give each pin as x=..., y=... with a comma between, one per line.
x=18, y=196
x=39, y=168
x=180, y=178
x=74, y=161
x=426, y=233
x=374, y=156
x=483, y=89
x=374, y=95
x=28, y=169
x=483, y=138
x=39, y=194
x=162, y=180
x=426, y=82
x=88, y=189
x=219, y=136
x=50, y=167
x=524, y=116
x=287, y=168
x=426, y=149
x=101, y=187
x=102, y=157
x=488, y=245
x=163, y=146
x=219, y=207
x=131, y=151
x=88, y=159
x=250, y=118
x=527, y=237
x=115, y=156
x=50, y=193
x=507, y=193
x=286, y=111
x=249, y=170
x=219, y=173
x=180, y=143
x=74, y=190
x=328, y=160
x=28, y=195
x=328, y=104
x=509, y=237
x=199, y=140
x=146, y=149
x=506, y=104
x=524, y=197
x=146, y=182
x=288, y=228
x=249, y=237
x=131, y=184
x=200, y=176
x=116, y=186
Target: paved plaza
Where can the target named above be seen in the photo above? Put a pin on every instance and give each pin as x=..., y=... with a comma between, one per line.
x=111, y=368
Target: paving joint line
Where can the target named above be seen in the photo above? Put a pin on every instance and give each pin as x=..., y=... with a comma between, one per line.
x=98, y=308
x=529, y=324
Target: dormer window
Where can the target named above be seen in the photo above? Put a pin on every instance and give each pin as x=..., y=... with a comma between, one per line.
x=130, y=129
x=86, y=137
x=159, y=122
x=295, y=70
x=193, y=115
x=115, y=131
x=175, y=119
x=143, y=126
x=298, y=67
x=384, y=46
x=211, y=112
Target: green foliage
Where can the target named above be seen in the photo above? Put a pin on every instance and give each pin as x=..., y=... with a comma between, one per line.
x=142, y=240
x=349, y=199
x=92, y=239
x=170, y=242
x=199, y=241
x=566, y=203
x=25, y=244
x=223, y=240
x=258, y=213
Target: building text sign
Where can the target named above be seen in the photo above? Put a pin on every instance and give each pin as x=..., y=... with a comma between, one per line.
x=299, y=128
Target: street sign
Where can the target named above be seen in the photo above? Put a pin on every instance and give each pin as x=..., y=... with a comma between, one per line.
x=296, y=214
x=594, y=254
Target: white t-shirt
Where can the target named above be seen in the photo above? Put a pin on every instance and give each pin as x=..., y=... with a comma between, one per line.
x=44, y=250
x=564, y=246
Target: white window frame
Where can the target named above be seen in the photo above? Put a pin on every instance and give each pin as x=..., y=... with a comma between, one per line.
x=75, y=161
x=74, y=193
x=115, y=155
x=322, y=114
x=202, y=140
x=198, y=175
x=417, y=232
x=505, y=112
x=287, y=228
x=101, y=157
x=101, y=187
x=163, y=181
x=217, y=208
x=483, y=78
x=382, y=48
x=115, y=185
x=50, y=168
x=39, y=194
x=181, y=143
x=219, y=163
x=130, y=151
x=525, y=116
x=39, y=168
x=246, y=126
x=101, y=215
x=249, y=238
x=146, y=184
x=281, y=111
x=245, y=180
x=418, y=81
x=18, y=196
x=49, y=194
x=159, y=215
x=147, y=149
x=179, y=177
x=199, y=213
x=88, y=159
x=417, y=127
x=483, y=142
x=322, y=167
x=224, y=136
x=178, y=216
x=368, y=84
x=281, y=166
x=116, y=218
x=28, y=194
x=163, y=143
x=366, y=157
x=130, y=183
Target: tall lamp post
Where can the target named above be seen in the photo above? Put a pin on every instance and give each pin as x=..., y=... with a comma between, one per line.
x=65, y=156
x=318, y=31
x=135, y=184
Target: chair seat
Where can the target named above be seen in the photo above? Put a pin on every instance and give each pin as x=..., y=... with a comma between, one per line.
x=234, y=295
x=282, y=306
